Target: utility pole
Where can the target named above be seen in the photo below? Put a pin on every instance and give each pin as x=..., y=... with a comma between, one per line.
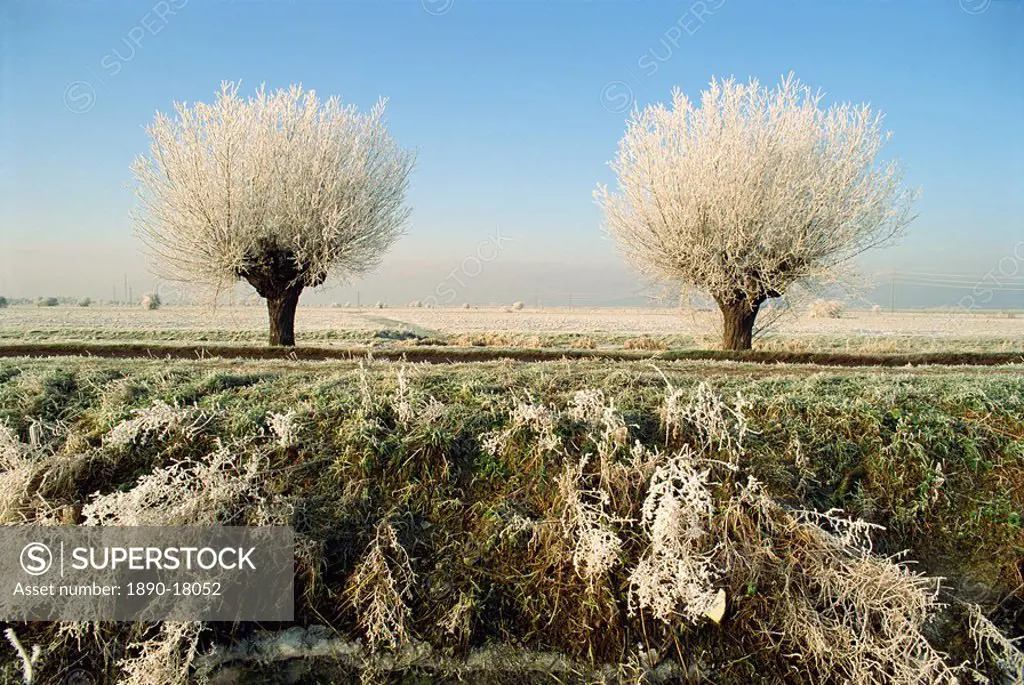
x=892, y=292
x=570, y=300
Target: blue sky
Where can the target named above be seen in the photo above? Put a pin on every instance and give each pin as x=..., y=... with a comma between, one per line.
x=514, y=107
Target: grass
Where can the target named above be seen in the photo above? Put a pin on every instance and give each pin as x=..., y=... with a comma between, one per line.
x=430, y=350
x=460, y=468
x=411, y=335
x=550, y=328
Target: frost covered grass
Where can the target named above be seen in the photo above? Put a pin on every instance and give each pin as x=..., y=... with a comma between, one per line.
x=652, y=329
x=624, y=516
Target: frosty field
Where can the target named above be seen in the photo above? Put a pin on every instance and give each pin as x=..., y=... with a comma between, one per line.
x=625, y=518
x=856, y=331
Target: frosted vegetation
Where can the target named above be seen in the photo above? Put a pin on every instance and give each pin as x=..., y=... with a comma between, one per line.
x=750, y=192
x=466, y=521
x=248, y=166
x=658, y=329
x=747, y=197
x=281, y=190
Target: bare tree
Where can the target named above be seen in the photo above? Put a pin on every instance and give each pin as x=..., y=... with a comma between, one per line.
x=750, y=192
x=282, y=190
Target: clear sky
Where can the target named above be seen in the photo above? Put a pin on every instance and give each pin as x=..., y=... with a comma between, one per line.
x=515, y=107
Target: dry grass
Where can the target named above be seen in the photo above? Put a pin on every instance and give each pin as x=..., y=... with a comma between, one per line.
x=379, y=589
x=607, y=328
x=992, y=645
x=163, y=658
x=497, y=340
x=582, y=342
x=627, y=517
x=826, y=309
x=644, y=342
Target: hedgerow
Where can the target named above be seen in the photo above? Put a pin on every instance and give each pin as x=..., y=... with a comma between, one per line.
x=638, y=522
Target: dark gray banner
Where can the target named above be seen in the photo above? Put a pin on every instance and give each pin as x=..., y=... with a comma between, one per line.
x=146, y=573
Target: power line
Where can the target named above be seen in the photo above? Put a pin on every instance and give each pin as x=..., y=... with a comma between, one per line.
x=953, y=276
x=964, y=286
x=950, y=278
x=968, y=284
x=1005, y=284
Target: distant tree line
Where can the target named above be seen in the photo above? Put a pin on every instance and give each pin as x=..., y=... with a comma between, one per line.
x=49, y=301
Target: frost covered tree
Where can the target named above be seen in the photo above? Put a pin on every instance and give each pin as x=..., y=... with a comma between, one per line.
x=281, y=190
x=751, y=191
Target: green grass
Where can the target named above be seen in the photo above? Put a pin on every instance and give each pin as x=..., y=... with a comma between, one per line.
x=393, y=333
x=935, y=456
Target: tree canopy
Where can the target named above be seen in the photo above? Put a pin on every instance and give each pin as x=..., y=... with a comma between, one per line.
x=750, y=191
x=281, y=189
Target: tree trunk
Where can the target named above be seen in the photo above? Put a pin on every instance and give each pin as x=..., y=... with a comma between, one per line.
x=738, y=319
x=282, y=316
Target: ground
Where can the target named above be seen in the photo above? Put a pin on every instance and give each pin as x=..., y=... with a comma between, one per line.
x=527, y=503
x=855, y=331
